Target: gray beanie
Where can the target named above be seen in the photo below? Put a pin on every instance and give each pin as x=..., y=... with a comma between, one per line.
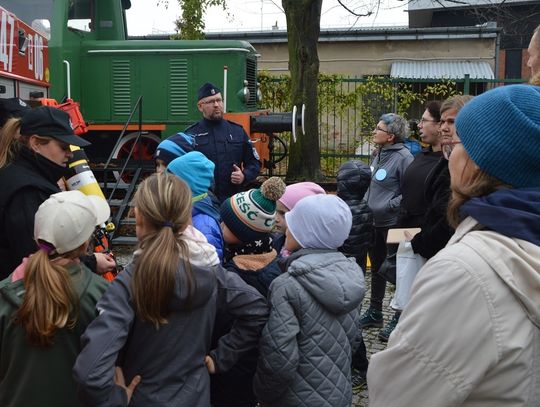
x=320, y=222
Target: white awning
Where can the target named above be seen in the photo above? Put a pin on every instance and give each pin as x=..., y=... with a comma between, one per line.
x=441, y=70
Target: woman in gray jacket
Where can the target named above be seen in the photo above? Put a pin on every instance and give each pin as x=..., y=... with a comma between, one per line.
x=384, y=198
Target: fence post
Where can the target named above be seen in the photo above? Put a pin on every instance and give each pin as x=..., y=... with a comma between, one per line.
x=467, y=84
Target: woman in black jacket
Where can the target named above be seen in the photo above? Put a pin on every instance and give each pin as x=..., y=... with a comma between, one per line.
x=34, y=151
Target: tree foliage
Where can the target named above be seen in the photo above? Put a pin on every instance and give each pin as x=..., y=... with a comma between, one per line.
x=190, y=25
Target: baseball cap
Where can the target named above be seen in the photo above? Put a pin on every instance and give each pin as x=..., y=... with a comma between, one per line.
x=12, y=107
x=51, y=122
x=67, y=219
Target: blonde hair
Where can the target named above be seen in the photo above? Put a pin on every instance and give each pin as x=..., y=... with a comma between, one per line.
x=50, y=300
x=164, y=201
x=11, y=141
x=479, y=184
x=535, y=80
x=455, y=102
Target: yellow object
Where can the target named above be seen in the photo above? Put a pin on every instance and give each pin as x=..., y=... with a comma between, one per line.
x=82, y=178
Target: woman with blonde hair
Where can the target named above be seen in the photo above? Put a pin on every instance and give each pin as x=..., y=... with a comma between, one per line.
x=46, y=304
x=34, y=151
x=470, y=334
x=156, y=319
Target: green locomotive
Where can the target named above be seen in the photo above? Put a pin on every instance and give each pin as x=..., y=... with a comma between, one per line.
x=92, y=60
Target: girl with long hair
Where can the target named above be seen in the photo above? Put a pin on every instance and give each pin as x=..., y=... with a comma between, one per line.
x=46, y=304
x=156, y=319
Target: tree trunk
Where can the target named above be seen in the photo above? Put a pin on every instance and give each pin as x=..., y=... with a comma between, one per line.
x=303, y=29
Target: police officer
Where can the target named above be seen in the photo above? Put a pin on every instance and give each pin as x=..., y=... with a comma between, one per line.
x=225, y=143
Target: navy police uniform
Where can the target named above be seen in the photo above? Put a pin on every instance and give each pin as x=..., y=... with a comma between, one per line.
x=225, y=143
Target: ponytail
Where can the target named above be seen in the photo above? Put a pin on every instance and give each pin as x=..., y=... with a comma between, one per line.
x=164, y=201
x=9, y=141
x=50, y=301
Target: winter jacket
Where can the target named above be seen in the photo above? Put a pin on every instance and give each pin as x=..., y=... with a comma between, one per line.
x=170, y=359
x=26, y=183
x=435, y=230
x=258, y=270
x=384, y=193
x=234, y=387
x=226, y=143
x=37, y=376
x=413, y=188
x=306, y=346
x=206, y=219
x=352, y=183
x=470, y=334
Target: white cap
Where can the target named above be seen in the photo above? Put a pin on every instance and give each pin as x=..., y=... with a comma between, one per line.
x=67, y=219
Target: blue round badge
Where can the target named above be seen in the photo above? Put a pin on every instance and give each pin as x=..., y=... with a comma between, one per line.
x=380, y=174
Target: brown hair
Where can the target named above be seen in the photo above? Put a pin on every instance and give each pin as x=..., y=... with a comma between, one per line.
x=164, y=201
x=50, y=301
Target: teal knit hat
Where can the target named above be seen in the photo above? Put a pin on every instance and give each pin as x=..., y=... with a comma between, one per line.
x=250, y=215
x=196, y=170
x=500, y=130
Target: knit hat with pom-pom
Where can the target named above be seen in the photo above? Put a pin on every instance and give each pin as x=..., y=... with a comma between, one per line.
x=250, y=215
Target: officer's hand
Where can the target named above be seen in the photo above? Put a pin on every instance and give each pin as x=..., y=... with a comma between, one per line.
x=237, y=176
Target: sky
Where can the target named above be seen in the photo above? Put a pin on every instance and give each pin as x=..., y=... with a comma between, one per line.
x=146, y=18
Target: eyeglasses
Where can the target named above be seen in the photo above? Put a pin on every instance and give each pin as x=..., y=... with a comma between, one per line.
x=447, y=147
x=422, y=120
x=212, y=101
x=383, y=130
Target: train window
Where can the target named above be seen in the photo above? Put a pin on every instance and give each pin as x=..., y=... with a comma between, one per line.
x=80, y=15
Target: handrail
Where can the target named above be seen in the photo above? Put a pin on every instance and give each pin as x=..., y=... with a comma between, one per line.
x=139, y=106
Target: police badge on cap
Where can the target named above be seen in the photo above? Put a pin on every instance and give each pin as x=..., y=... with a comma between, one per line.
x=207, y=90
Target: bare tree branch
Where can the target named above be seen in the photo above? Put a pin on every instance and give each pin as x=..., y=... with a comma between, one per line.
x=354, y=13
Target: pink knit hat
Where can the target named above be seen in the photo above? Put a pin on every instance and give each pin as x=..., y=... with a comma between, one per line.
x=295, y=192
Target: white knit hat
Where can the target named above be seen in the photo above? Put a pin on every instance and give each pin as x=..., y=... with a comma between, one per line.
x=67, y=219
x=320, y=222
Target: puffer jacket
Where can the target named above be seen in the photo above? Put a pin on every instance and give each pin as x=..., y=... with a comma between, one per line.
x=470, y=334
x=170, y=359
x=353, y=180
x=306, y=346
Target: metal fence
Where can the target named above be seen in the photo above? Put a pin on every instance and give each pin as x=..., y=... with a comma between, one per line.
x=345, y=128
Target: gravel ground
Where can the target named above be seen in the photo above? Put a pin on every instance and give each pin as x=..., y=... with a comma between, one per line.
x=373, y=344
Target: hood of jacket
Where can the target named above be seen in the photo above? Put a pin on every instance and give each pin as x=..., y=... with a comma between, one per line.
x=515, y=261
x=353, y=180
x=335, y=281
x=206, y=207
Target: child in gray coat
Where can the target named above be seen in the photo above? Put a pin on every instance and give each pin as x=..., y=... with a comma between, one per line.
x=306, y=346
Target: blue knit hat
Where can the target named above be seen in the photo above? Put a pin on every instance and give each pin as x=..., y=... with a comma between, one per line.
x=251, y=215
x=173, y=147
x=500, y=130
x=196, y=170
x=207, y=90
